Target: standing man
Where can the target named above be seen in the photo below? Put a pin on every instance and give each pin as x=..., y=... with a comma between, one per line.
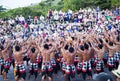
x=100, y=53
x=70, y=67
x=112, y=49
x=46, y=65
x=86, y=65
x=20, y=72
x=1, y=59
x=80, y=51
x=6, y=66
x=33, y=62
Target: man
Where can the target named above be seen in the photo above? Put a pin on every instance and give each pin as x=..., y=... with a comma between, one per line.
x=33, y=62
x=112, y=49
x=64, y=49
x=100, y=53
x=80, y=58
x=86, y=65
x=75, y=42
x=70, y=67
x=53, y=61
x=1, y=59
x=103, y=77
x=6, y=66
x=117, y=53
x=105, y=58
x=46, y=65
x=20, y=73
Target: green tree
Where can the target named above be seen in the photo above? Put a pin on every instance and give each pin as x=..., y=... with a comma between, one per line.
x=115, y=3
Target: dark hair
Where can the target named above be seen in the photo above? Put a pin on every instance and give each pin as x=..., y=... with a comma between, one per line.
x=118, y=38
x=100, y=46
x=1, y=47
x=103, y=77
x=111, y=43
x=89, y=44
x=66, y=47
x=17, y=48
x=86, y=46
x=100, y=40
x=82, y=47
x=71, y=49
x=106, y=40
x=47, y=40
x=72, y=38
x=46, y=46
x=33, y=50
x=3, y=41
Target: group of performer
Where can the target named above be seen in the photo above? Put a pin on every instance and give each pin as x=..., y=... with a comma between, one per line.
x=81, y=54
x=84, y=43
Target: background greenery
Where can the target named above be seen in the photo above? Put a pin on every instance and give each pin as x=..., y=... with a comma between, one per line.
x=43, y=7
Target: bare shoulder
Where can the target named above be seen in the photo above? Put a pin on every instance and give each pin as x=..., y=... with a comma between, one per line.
x=42, y=50
x=14, y=53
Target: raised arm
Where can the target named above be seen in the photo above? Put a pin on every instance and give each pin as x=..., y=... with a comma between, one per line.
x=8, y=44
x=25, y=50
x=107, y=45
x=93, y=46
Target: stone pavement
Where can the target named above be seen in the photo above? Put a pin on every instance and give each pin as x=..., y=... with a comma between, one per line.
x=60, y=78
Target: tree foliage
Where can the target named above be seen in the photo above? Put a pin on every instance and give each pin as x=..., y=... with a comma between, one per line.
x=43, y=7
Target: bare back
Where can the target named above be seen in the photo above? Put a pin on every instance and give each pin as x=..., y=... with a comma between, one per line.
x=46, y=55
x=18, y=57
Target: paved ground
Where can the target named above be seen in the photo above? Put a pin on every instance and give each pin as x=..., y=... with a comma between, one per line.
x=60, y=78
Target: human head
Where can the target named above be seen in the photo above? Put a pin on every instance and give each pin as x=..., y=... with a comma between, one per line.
x=46, y=46
x=100, y=40
x=111, y=43
x=106, y=40
x=17, y=48
x=66, y=47
x=100, y=46
x=1, y=47
x=33, y=50
x=103, y=77
x=71, y=49
x=82, y=47
x=47, y=40
x=86, y=46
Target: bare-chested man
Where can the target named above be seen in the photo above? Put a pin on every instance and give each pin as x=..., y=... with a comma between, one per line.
x=64, y=49
x=46, y=65
x=117, y=53
x=79, y=53
x=100, y=53
x=1, y=60
x=39, y=56
x=86, y=64
x=5, y=54
x=20, y=72
x=112, y=49
x=69, y=59
x=105, y=58
x=33, y=61
x=53, y=60
x=75, y=42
